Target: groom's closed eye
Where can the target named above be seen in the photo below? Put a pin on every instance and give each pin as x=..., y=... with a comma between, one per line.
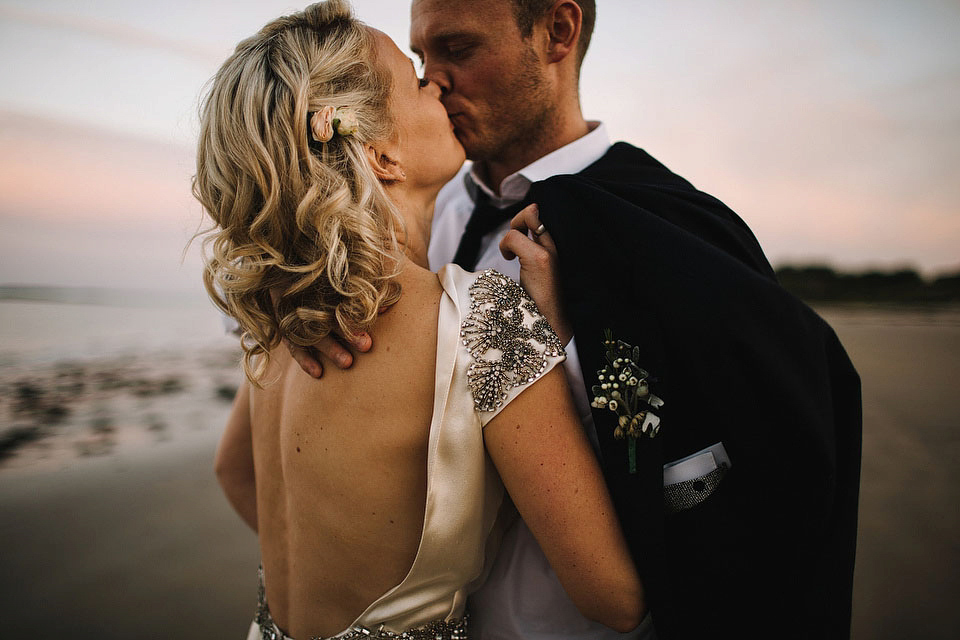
x=449, y=46
x=459, y=51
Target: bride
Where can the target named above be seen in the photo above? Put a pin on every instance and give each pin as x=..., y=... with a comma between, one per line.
x=378, y=493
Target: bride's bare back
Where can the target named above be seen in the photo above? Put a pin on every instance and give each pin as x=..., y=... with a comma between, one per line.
x=341, y=469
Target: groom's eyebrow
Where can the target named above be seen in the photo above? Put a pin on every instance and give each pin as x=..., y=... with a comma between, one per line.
x=443, y=37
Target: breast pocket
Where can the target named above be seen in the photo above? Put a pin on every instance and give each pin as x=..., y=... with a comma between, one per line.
x=691, y=480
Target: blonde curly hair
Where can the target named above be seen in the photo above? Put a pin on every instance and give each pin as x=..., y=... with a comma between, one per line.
x=305, y=241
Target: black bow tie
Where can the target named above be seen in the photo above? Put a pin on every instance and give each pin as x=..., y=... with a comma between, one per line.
x=484, y=219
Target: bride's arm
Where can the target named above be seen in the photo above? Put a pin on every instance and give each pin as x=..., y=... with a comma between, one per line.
x=548, y=468
x=233, y=463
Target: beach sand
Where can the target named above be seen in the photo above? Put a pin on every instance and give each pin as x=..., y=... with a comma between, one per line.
x=137, y=541
x=907, y=577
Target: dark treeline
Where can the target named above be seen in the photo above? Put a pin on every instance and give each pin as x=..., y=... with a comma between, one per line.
x=823, y=284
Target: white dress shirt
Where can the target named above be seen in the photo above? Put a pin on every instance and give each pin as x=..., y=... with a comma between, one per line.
x=522, y=598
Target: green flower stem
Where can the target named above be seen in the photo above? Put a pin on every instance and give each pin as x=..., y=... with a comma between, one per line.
x=632, y=454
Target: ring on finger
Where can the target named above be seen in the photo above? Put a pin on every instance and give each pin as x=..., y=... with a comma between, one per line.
x=539, y=230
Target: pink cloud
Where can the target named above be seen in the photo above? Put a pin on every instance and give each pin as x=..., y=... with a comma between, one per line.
x=55, y=170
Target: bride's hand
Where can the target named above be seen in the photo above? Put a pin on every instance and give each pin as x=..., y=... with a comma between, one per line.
x=539, y=270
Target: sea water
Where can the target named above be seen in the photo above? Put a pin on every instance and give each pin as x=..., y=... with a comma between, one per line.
x=109, y=373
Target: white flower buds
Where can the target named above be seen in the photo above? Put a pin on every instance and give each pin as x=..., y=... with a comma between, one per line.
x=346, y=121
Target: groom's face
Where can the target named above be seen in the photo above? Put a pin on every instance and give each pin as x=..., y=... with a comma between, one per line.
x=491, y=78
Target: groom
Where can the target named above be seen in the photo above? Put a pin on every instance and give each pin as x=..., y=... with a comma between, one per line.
x=741, y=511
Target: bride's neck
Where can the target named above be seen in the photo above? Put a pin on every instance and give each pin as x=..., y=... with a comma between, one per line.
x=416, y=211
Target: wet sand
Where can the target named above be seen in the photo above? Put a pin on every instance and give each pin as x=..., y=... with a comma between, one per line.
x=137, y=542
x=133, y=546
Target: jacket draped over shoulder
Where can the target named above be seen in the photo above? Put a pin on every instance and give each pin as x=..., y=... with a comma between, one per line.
x=736, y=359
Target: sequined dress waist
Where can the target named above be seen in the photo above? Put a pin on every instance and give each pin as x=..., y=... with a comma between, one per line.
x=437, y=630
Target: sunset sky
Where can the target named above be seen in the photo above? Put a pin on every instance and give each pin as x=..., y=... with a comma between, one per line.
x=831, y=126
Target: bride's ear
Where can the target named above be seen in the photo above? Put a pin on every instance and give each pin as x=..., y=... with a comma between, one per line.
x=384, y=167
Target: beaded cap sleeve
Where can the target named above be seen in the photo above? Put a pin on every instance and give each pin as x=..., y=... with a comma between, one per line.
x=509, y=341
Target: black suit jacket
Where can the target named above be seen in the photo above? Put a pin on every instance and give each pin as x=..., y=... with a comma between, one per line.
x=737, y=360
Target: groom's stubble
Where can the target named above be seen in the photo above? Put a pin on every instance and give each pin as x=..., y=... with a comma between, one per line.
x=519, y=117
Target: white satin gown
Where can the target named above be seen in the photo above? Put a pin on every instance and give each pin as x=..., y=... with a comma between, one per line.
x=492, y=343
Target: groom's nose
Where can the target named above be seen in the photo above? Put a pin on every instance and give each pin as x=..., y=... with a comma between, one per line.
x=439, y=76
x=434, y=88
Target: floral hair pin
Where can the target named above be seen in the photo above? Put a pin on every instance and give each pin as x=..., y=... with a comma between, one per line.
x=624, y=388
x=326, y=122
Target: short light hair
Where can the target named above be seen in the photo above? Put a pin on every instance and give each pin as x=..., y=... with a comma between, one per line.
x=305, y=236
x=527, y=12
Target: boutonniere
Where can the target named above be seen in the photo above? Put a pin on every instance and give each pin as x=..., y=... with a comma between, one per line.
x=624, y=388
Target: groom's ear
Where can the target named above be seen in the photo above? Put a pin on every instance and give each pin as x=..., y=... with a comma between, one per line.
x=563, y=22
x=384, y=167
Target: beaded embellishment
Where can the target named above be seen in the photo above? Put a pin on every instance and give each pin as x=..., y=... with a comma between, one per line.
x=437, y=630
x=500, y=333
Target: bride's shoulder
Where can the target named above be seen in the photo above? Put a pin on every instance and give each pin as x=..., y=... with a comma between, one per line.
x=508, y=341
x=455, y=271
x=469, y=287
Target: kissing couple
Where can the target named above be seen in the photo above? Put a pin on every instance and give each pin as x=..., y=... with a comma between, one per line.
x=647, y=437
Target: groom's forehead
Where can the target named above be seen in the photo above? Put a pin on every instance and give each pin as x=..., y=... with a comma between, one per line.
x=439, y=23
x=440, y=14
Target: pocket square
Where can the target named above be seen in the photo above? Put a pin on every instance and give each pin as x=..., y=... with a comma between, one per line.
x=691, y=480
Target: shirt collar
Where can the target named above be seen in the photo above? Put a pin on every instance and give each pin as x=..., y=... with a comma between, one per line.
x=570, y=158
